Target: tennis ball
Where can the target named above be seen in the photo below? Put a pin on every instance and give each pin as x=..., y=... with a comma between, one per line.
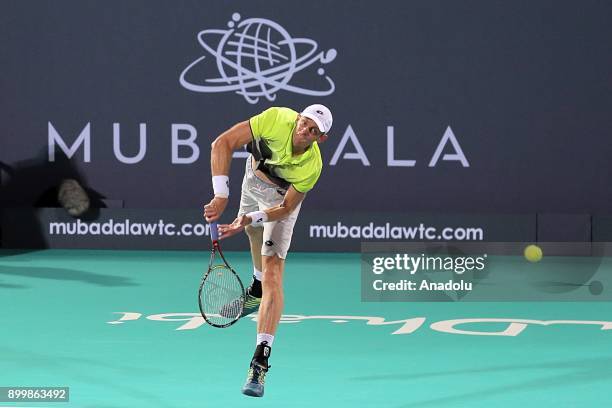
x=533, y=253
x=596, y=287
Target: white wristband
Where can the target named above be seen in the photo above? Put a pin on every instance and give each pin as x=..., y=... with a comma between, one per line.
x=257, y=218
x=221, y=186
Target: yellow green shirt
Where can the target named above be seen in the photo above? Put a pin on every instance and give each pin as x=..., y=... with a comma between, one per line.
x=274, y=127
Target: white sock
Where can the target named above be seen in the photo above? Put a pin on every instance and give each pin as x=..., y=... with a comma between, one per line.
x=257, y=274
x=261, y=337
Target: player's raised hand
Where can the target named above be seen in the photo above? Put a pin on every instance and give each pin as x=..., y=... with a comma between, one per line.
x=214, y=209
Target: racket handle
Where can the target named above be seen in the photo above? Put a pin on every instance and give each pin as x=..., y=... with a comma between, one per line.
x=214, y=232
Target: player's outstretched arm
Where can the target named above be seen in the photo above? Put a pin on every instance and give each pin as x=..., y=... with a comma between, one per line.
x=292, y=199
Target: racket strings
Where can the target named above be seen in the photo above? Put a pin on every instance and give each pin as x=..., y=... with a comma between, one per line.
x=222, y=296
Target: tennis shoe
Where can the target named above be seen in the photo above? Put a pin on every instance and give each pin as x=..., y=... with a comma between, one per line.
x=256, y=376
x=251, y=305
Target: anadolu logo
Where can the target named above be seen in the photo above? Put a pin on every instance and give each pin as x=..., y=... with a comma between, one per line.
x=256, y=58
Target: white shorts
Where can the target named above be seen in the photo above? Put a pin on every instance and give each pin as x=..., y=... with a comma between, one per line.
x=259, y=195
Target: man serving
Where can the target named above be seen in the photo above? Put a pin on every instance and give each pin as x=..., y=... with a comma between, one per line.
x=285, y=163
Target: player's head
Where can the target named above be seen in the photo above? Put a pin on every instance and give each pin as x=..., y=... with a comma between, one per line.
x=314, y=123
x=321, y=115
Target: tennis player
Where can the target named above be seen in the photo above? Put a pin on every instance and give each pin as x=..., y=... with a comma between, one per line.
x=285, y=163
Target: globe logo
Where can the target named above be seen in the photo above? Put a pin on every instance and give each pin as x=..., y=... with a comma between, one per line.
x=257, y=58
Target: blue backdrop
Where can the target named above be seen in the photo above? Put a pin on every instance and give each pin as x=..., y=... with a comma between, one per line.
x=439, y=106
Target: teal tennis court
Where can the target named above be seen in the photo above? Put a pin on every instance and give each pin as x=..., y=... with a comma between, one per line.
x=122, y=329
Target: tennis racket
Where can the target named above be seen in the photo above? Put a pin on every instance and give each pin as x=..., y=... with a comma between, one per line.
x=221, y=295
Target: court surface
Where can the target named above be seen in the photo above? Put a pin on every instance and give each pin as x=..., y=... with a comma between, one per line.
x=60, y=313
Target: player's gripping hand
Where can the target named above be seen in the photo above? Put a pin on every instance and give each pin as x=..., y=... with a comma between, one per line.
x=227, y=230
x=214, y=209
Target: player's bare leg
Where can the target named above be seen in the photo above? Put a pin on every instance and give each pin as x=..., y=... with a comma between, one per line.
x=254, y=291
x=272, y=300
x=267, y=322
x=256, y=241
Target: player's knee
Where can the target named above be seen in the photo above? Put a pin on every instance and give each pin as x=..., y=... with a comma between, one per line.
x=272, y=278
x=273, y=272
